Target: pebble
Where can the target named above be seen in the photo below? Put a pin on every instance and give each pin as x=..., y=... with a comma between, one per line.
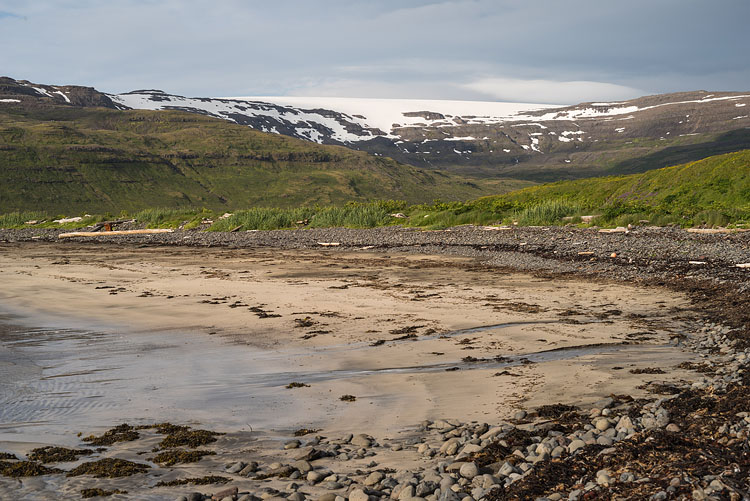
x=469, y=470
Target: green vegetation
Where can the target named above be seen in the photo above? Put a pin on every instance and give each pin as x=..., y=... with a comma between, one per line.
x=58, y=158
x=711, y=192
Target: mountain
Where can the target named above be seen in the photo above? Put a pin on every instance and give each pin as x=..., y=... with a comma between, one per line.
x=526, y=141
x=69, y=149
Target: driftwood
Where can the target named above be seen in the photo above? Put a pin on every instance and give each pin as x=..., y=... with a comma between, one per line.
x=710, y=231
x=108, y=233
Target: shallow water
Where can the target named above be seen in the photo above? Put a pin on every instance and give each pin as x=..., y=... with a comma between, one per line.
x=55, y=383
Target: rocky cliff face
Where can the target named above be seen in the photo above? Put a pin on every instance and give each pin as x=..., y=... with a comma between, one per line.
x=23, y=91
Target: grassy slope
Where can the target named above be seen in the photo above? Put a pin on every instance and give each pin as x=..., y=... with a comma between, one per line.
x=64, y=159
x=717, y=182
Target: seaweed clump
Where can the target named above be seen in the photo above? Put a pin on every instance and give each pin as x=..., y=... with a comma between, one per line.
x=121, y=433
x=7, y=455
x=209, y=479
x=53, y=454
x=170, y=458
x=94, y=492
x=347, y=398
x=184, y=436
x=110, y=468
x=305, y=431
x=25, y=469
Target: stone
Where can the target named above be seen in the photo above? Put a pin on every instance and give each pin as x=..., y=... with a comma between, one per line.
x=251, y=467
x=235, y=467
x=228, y=492
x=575, y=445
x=195, y=496
x=292, y=444
x=181, y=498
x=361, y=440
x=519, y=415
x=506, y=469
x=673, y=428
x=602, y=424
x=296, y=496
x=374, y=478
x=425, y=488
x=406, y=493
x=314, y=477
x=469, y=470
x=329, y=496
x=358, y=495
x=448, y=495
x=331, y=486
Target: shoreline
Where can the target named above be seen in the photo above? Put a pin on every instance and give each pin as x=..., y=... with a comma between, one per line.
x=703, y=284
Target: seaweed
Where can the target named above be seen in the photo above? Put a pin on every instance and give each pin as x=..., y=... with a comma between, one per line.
x=555, y=411
x=170, y=458
x=57, y=454
x=347, y=398
x=296, y=384
x=188, y=437
x=96, y=491
x=305, y=431
x=647, y=370
x=121, y=433
x=25, y=469
x=109, y=467
x=7, y=455
x=207, y=480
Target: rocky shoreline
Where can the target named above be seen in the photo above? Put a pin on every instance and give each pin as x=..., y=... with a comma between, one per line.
x=689, y=441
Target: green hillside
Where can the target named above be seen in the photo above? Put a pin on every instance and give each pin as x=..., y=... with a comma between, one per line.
x=66, y=160
x=719, y=182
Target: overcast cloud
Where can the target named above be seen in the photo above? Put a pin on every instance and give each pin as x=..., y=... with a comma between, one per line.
x=553, y=51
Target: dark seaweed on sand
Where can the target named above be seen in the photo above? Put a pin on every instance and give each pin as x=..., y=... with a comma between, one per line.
x=57, y=454
x=25, y=469
x=170, y=458
x=121, y=433
x=207, y=480
x=109, y=467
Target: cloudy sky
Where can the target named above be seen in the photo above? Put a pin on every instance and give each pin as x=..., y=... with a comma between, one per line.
x=547, y=51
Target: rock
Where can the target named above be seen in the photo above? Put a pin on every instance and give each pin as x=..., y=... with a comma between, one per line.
x=406, y=493
x=295, y=496
x=292, y=444
x=181, y=498
x=448, y=495
x=329, y=496
x=673, y=428
x=575, y=445
x=602, y=424
x=251, y=467
x=603, y=477
x=229, y=492
x=470, y=449
x=469, y=470
x=314, y=477
x=331, y=486
x=519, y=415
x=358, y=495
x=374, y=478
x=425, y=488
x=235, y=467
x=361, y=440
x=506, y=469
x=307, y=454
x=302, y=466
x=195, y=496
x=605, y=441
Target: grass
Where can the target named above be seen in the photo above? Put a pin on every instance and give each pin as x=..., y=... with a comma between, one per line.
x=711, y=192
x=58, y=158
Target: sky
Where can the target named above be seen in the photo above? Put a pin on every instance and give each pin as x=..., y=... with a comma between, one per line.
x=538, y=51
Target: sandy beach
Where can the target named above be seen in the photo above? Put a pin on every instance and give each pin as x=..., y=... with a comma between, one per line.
x=211, y=337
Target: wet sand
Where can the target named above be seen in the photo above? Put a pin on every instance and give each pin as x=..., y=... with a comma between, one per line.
x=95, y=335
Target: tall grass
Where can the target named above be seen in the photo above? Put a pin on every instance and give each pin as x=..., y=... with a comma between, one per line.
x=168, y=217
x=17, y=219
x=546, y=213
x=262, y=218
x=352, y=216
